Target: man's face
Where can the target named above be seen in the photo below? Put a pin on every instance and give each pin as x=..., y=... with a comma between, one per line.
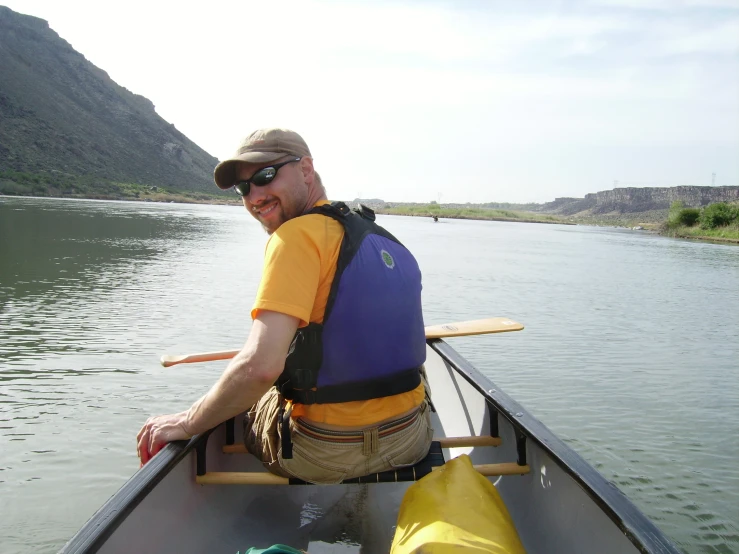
x=284, y=198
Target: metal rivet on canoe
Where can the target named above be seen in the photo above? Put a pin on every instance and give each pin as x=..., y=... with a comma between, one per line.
x=519, y=414
x=492, y=391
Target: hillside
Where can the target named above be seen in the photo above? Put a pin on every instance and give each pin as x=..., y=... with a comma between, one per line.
x=65, y=125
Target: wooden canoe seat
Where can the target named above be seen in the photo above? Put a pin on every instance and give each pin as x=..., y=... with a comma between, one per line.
x=446, y=442
x=434, y=459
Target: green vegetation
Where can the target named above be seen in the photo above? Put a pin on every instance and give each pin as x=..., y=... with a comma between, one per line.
x=717, y=215
x=65, y=185
x=679, y=215
x=718, y=221
x=434, y=209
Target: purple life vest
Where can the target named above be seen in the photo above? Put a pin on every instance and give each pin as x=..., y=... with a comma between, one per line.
x=372, y=341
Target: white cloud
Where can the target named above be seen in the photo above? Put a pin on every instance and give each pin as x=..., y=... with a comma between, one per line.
x=669, y=5
x=722, y=38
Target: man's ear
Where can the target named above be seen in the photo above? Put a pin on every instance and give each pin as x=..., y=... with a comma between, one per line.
x=306, y=166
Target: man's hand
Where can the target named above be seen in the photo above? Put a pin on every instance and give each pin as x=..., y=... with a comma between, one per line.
x=158, y=431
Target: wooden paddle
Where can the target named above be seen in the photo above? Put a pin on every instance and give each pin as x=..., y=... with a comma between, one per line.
x=474, y=327
x=445, y=330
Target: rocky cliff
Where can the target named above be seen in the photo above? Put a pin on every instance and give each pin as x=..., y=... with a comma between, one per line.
x=636, y=200
x=60, y=113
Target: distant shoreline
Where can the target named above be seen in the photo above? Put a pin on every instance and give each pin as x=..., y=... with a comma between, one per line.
x=481, y=214
x=472, y=218
x=162, y=198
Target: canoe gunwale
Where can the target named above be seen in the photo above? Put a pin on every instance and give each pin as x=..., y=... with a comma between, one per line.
x=642, y=533
x=110, y=515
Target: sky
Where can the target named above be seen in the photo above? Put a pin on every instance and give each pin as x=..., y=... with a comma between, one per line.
x=451, y=101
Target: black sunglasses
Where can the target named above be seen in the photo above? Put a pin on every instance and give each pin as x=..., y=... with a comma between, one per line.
x=261, y=178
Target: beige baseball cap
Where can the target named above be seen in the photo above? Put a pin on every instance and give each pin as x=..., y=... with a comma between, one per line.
x=262, y=146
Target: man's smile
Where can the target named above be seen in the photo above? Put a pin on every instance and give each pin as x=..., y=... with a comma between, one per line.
x=265, y=208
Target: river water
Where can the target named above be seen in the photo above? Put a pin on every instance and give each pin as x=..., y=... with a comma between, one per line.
x=630, y=352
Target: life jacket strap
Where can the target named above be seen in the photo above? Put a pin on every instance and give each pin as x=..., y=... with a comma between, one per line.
x=398, y=383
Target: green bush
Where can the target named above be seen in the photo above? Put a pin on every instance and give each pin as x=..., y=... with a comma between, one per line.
x=688, y=216
x=718, y=215
x=680, y=216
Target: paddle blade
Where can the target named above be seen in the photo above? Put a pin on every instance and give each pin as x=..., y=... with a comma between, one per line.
x=474, y=327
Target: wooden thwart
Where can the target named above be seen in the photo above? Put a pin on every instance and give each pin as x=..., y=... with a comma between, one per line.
x=446, y=442
x=263, y=478
x=432, y=462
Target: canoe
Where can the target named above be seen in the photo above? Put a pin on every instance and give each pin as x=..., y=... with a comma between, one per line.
x=557, y=501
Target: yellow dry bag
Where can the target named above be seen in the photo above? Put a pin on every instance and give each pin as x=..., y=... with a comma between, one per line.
x=451, y=509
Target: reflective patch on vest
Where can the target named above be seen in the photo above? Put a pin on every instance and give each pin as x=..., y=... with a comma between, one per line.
x=388, y=259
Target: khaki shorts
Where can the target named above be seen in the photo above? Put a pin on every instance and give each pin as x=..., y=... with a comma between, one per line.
x=329, y=456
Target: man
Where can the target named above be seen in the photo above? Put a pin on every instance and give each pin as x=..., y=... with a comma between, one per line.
x=331, y=372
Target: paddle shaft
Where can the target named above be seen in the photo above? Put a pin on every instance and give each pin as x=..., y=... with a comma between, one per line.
x=446, y=330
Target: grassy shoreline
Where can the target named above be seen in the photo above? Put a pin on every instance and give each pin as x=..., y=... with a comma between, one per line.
x=141, y=193
x=61, y=185
x=164, y=198
x=483, y=214
x=728, y=234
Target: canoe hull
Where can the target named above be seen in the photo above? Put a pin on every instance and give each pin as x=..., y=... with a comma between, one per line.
x=561, y=505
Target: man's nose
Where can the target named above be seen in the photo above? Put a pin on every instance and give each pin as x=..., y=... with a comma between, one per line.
x=256, y=194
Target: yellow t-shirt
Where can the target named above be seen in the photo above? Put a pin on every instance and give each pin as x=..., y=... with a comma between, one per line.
x=299, y=266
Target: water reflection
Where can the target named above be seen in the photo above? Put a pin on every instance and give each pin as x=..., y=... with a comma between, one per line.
x=74, y=274
x=59, y=247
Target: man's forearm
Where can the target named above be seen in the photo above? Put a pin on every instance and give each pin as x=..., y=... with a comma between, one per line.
x=249, y=375
x=237, y=390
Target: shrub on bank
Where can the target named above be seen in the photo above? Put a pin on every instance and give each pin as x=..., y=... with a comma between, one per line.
x=687, y=217
x=713, y=216
x=680, y=216
x=718, y=215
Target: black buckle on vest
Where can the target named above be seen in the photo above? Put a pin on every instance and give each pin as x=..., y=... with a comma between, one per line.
x=307, y=396
x=365, y=212
x=286, y=442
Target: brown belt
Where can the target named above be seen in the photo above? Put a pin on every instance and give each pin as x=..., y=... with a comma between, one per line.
x=357, y=436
